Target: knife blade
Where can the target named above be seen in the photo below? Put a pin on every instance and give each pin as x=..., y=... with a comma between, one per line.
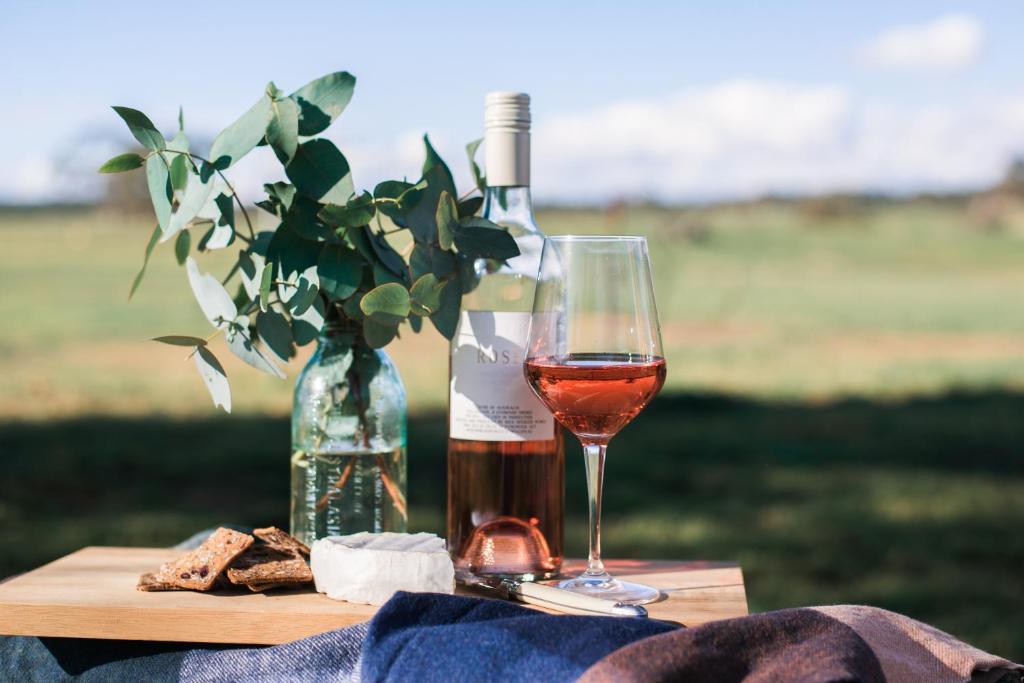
x=552, y=597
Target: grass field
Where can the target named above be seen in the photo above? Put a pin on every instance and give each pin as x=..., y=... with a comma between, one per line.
x=843, y=412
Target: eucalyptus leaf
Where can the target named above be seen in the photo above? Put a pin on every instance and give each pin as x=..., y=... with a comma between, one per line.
x=291, y=252
x=481, y=238
x=322, y=101
x=217, y=237
x=426, y=293
x=283, y=131
x=421, y=218
x=319, y=170
x=153, y=239
x=181, y=247
x=180, y=340
x=250, y=267
x=282, y=193
x=340, y=270
x=196, y=194
x=242, y=345
x=305, y=291
x=266, y=281
x=214, y=377
x=387, y=255
x=276, y=334
x=387, y=304
x=478, y=177
x=158, y=178
x=215, y=302
x=123, y=162
x=142, y=128
x=447, y=220
x=358, y=211
x=306, y=327
x=446, y=319
x=382, y=276
x=303, y=218
x=378, y=335
x=469, y=207
x=434, y=161
x=179, y=162
x=235, y=141
x=352, y=309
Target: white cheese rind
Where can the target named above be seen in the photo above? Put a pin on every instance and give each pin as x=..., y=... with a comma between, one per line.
x=369, y=568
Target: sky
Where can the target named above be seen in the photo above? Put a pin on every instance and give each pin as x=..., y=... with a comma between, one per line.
x=674, y=101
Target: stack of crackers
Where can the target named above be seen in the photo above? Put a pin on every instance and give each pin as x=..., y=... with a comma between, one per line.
x=269, y=558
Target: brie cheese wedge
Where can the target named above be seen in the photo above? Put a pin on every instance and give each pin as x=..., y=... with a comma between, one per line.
x=369, y=568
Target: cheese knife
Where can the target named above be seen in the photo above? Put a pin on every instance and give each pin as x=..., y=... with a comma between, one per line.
x=552, y=597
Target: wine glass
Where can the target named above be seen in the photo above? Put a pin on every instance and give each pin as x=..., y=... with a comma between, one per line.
x=594, y=359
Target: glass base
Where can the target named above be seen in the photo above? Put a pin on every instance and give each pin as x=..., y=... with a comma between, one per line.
x=607, y=588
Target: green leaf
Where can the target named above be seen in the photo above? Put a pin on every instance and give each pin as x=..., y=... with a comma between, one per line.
x=290, y=252
x=480, y=238
x=306, y=327
x=319, y=170
x=387, y=304
x=180, y=340
x=416, y=323
x=159, y=181
x=387, y=255
x=377, y=335
x=214, y=377
x=426, y=293
x=181, y=118
x=250, y=267
x=469, y=207
x=446, y=319
x=283, y=131
x=340, y=270
x=235, y=141
x=142, y=128
x=241, y=343
x=478, y=177
x=266, y=280
x=305, y=291
x=179, y=162
x=382, y=275
x=181, y=247
x=421, y=218
x=123, y=162
x=428, y=258
x=434, y=161
x=302, y=217
x=222, y=234
x=358, y=211
x=322, y=101
x=197, y=193
x=275, y=332
x=282, y=193
x=153, y=239
x=447, y=220
x=351, y=308
x=215, y=302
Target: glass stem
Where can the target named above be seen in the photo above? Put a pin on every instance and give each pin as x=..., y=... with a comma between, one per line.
x=594, y=455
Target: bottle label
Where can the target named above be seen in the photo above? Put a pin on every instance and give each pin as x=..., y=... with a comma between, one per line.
x=489, y=397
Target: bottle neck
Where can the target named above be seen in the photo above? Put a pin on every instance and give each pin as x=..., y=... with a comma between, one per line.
x=510, y=205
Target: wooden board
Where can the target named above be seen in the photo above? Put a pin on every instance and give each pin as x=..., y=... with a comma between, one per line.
x=91, y=594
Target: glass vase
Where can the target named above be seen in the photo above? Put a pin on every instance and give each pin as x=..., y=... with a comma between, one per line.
x=348, y=441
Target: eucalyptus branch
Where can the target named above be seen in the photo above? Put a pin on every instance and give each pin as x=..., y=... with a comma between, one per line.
x=231, y=188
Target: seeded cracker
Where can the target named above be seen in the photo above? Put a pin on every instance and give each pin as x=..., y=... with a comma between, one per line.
x=279, y=540
x=263, y=567
x=199, y=569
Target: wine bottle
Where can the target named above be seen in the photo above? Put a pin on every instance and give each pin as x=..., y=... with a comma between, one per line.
x=506, y=460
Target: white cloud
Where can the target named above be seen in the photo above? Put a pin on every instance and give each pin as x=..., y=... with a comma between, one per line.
x=738, y=138
x=744, y=138
x=950, y=42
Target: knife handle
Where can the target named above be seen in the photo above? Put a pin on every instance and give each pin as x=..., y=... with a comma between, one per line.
x=569, y=602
